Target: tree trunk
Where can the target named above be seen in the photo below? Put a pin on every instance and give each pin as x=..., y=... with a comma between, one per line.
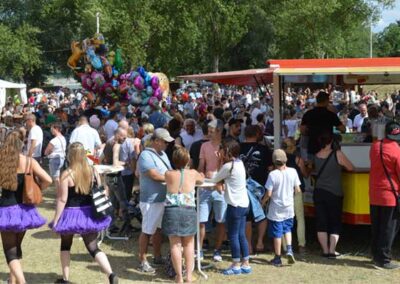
x=216, y=62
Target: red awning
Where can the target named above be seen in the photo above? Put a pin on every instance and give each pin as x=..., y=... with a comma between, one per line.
x=248, y=77
x=334, y=63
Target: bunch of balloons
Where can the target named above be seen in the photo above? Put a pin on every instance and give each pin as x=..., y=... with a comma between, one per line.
x=103, y=81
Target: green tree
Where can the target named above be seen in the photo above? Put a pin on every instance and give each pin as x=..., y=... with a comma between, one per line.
x=19, y=52
x=388, y=41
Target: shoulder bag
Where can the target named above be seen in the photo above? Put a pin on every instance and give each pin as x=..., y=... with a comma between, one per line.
x=397, y=196
x=314, y=178
x=102, y=206
x=32, y=194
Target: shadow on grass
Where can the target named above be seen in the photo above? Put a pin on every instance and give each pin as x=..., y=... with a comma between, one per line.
x=34, y=277
x=125, y=267
x=47, y=234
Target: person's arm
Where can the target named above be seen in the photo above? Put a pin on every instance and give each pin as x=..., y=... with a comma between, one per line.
x=155, y=175
x=303, y=169
x=116, y=161
x=72, y=138
x=202, y=161
x=266, y=197
x=222, y=174
x=344, y=161
x=297, y=189
x=49, y=149
x=32, y=148
x=44, y=178
x=178, y=141
x=62, y=197
x=199, y=177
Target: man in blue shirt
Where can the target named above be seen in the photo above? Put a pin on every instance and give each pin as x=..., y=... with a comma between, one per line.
x=152, y=164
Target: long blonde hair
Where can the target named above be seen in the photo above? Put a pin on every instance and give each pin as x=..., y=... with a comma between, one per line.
x=9, y=160
x=80, y=169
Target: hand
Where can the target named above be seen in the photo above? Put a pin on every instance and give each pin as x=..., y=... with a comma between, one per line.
x=54, y=222
x=220, y=188
x=209, y=174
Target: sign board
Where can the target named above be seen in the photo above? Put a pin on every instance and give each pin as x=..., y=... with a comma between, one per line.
x=371, y=79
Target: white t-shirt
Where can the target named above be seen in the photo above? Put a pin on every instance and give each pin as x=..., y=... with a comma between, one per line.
x=110, y=127
x=358, y=121
x=235, y=183
x=254, y=114
x=35, y=133
x=292, y=125
x=282, y=184
x=188, y=140
x=59, y=147
x=86, y=135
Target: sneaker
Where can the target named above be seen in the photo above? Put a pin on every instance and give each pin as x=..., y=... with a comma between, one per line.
x=232, y=271
x=146, y=267
x=290, y=257
x=246, y=269
x=201, y=255
x=159, y=260
x=276, y=261
x=113, y=279
x=217, y=255
x=389, y=266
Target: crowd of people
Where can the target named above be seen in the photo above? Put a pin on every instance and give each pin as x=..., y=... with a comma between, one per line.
x=219, y=136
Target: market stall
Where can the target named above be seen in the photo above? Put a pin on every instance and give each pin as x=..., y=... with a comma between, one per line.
x=5, y=85
x=355, y=71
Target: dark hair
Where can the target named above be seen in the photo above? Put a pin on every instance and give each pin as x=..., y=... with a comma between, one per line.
x=322, y=97
x=231, y=148
x=204, y=126
x=252, y=131
x=325, y=139
x=57, y=125
x=174, y=127
x=260, y=117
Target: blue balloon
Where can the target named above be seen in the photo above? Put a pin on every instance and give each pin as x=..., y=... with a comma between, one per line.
x=115, y=83
x=149, y=90
x=147, y=80
x=142, y=72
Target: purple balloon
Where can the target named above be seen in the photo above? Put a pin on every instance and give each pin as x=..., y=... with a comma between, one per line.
x=155, y=83
x=158, y=94
x=139, y=83
x=153, y=101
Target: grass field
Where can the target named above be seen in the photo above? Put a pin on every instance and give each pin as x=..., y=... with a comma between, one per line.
x=41, y=262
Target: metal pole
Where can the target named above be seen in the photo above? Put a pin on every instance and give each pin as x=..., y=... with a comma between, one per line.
x=370, y=39
x=97, y=22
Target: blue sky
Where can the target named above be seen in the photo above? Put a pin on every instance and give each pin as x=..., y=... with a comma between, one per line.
x=388, y=16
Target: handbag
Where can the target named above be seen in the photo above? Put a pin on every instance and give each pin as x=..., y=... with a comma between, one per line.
x=102, y=206
x=314, y=178
x=397, y=196
x=31, y=194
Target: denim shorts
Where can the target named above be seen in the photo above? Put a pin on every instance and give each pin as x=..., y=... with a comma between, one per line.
x=215, y=201
x=55, y=165
x=179, y=221
x=277, y=229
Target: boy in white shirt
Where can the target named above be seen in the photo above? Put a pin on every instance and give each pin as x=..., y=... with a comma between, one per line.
x=281, y=185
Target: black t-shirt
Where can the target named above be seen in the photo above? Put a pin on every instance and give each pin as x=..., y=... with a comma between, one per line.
x=257, y=159
x=218, y=112
x=318, y=120
x=195, y=152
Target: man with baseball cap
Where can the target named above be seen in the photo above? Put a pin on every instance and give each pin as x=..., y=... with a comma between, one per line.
x=384, y=190
x=153, y=162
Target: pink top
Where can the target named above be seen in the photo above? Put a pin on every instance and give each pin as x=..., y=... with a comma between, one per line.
x=209, y=153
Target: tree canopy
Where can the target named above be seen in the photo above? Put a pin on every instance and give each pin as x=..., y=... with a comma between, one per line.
x=182, y=36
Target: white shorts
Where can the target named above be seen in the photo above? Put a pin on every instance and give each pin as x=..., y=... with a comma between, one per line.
x=152, y=214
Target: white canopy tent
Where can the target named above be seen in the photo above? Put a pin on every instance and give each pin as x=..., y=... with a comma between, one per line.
x=4, y=85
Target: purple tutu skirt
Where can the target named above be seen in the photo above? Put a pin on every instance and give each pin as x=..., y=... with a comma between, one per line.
x=19, y=218
x=79, y=220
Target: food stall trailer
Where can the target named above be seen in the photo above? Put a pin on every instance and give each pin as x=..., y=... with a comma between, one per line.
x=349, y=72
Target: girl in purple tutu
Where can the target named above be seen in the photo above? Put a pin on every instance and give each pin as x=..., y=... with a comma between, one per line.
x=74, y=212
x=16, y=217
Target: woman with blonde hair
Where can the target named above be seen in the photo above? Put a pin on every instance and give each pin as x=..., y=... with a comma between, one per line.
x=179, y=219
x=16, y=217
x=74, y=212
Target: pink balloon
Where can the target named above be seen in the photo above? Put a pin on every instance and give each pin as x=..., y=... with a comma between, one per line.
x=158, y=94
x=139, y=83
x=153, y=101
x=155, y=83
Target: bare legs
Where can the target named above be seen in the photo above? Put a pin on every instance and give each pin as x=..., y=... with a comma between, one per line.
x=328, y=247
x=176, y=244
x=144, y=242
x=261, y=227
x=278, y=243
